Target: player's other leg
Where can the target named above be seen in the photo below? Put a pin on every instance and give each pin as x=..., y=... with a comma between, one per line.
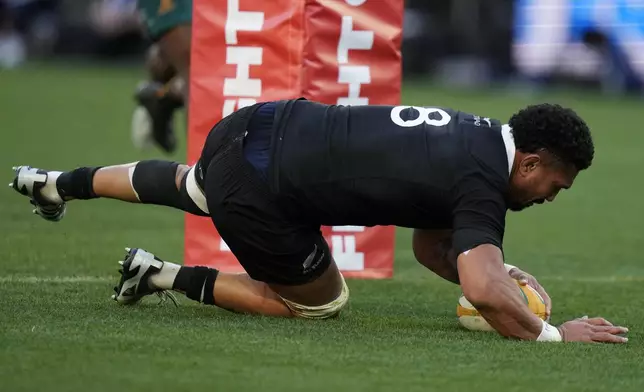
x=317, y=297
x=169, y=24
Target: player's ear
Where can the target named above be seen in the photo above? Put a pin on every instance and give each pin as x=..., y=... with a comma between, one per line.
x=529, y=164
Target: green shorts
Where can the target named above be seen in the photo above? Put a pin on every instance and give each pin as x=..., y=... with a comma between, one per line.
x=161, y=16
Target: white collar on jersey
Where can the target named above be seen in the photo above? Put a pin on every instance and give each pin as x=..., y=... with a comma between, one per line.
x=510, y=147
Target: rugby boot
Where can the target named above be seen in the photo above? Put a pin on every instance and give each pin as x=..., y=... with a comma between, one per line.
x=153, y=119
x=137, y=268
x=40, y=187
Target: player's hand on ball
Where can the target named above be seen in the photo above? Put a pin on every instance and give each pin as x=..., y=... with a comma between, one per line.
x=525, y=278
x=592, y=330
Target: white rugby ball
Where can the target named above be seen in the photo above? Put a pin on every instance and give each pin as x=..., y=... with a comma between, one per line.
x=469, y=317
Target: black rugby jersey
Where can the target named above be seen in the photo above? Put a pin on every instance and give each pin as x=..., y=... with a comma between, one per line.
x=417, y=167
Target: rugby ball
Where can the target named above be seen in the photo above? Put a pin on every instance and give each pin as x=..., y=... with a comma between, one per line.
x=471, y=319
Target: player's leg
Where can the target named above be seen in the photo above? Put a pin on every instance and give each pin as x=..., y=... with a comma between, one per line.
x=163, y=74
x=168, y=63
x=168, y=23
x=175, y=49
x=157, y=100
x=144, y=274
x=150, y=182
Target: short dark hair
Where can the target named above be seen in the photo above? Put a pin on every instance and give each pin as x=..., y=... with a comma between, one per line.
x=556, y=129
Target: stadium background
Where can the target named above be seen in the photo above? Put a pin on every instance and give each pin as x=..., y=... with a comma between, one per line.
x=68, y=102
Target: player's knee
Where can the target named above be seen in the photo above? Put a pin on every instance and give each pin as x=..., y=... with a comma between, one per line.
x=321, y=312
x=169, y=184
x=153, y=181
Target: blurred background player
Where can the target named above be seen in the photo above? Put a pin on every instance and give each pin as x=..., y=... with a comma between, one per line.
x=168, y=23
x=28, y=28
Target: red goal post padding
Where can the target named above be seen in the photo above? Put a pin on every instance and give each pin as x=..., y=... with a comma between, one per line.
x=334, y=51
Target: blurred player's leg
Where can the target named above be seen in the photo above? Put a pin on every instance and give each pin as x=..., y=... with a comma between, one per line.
x=168, y=23
x=157, y=99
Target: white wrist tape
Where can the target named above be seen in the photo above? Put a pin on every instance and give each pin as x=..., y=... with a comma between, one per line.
x=549, y=333
x=508, y=267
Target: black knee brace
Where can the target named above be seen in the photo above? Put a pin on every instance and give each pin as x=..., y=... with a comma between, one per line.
x=154, y=181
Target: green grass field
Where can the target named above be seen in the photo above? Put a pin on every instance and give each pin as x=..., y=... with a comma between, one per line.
x=61, y=334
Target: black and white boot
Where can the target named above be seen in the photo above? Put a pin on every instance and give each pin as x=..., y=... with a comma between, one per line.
x=135, y=284
x=40, y=187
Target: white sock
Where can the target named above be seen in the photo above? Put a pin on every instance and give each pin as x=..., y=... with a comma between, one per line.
x=165, y=278
x=49, y=192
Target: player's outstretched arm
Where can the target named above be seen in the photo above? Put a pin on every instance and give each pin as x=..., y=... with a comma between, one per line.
x=486, y=284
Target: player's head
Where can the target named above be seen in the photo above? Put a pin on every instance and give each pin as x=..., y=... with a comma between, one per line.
x=553, y=144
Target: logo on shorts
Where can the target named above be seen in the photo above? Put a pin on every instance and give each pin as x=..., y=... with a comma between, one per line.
x=313, y=260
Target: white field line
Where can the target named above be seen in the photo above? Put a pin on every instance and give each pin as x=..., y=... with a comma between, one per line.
x=57, y=279
x=594, y=279
x=114, y=279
